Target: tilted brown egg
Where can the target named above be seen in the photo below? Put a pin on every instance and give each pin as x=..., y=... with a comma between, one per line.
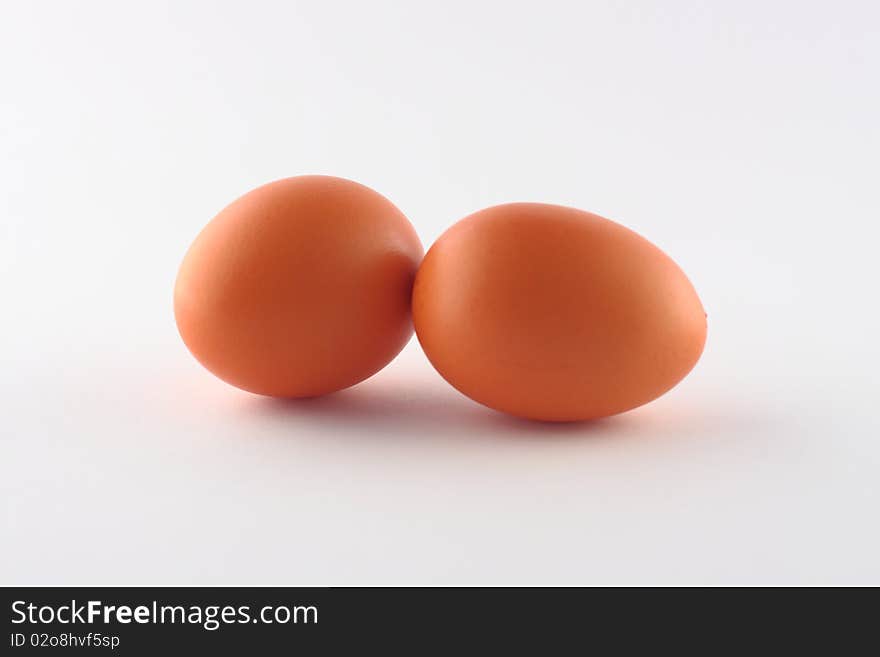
x=299, y=288
x=552, y=313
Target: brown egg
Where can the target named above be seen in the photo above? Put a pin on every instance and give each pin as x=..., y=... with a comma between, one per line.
x=299, y=288
x=551, y=313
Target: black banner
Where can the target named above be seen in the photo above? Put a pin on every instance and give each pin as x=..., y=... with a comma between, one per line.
x=253, y=620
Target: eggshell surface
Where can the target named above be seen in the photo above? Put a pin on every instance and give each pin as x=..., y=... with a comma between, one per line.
x=551, y=313
x=299, y=288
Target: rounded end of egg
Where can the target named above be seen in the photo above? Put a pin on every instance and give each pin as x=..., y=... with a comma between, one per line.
x=299, y=288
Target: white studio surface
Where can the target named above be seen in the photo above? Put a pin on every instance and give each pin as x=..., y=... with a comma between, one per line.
x=740, y=137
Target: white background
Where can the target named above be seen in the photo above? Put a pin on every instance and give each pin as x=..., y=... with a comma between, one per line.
x=740, y=137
